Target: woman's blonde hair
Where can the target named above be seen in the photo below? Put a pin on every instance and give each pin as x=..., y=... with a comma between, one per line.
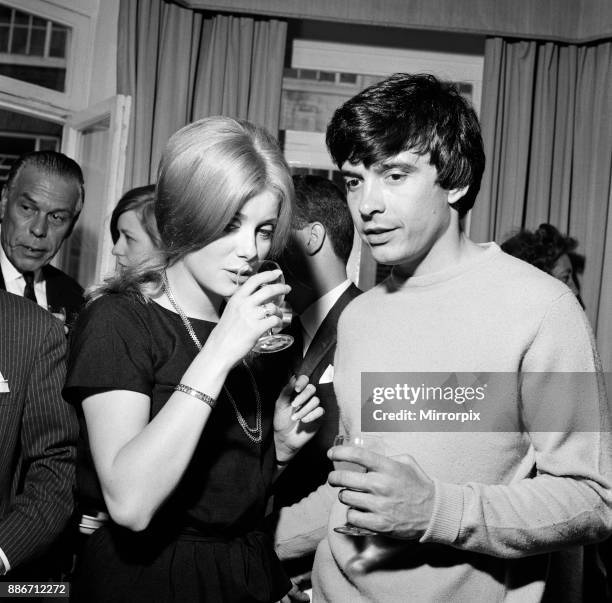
x=209, y=169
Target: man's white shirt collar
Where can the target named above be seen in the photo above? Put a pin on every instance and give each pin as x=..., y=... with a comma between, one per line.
x=15, y=283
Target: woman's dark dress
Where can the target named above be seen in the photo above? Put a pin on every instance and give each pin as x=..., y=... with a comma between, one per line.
x=206, y=542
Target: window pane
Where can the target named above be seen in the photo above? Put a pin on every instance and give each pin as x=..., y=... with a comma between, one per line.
x=59, y=36
x=5, y=14
x=37, y=42
x=47, y=144
x=30, y=36
x=15, y=145
x=307, y=74
x=20, y=38
x=41, y=76
x=4, y=36
x=21, y=18
x=21, y=133
x=348, y=78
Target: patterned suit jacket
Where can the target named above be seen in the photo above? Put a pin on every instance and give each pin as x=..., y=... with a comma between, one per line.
x=62, y=290
x=310, y=467
x=38, y=432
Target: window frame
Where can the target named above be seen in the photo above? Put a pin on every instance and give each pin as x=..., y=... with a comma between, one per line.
x=79, y=58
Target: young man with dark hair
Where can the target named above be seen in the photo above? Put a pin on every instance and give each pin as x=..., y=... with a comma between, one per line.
x=461, y=512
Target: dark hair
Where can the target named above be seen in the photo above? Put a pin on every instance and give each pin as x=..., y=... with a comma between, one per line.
x=543, y=247
x=142, y=201
x=418, y=113
x=318, y=199
x=53, y=163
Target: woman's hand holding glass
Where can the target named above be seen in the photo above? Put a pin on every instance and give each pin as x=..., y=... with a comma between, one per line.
x=247, y=317
x=296, y=417
x=272, y=340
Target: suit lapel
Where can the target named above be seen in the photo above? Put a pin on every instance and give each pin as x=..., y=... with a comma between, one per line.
x=325, y=337
x=2, y=285
x=50, y=288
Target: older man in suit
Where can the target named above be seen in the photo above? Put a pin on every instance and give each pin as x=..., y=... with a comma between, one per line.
x=40, y=204
x=38, y=431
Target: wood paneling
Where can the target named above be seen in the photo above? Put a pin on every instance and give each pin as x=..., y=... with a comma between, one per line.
x=563, y=20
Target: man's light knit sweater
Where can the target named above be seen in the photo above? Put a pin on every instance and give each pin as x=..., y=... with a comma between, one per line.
x=503, y=500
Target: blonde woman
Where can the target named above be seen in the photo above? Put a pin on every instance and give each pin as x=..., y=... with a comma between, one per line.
x=133, y=227
x=187, y=428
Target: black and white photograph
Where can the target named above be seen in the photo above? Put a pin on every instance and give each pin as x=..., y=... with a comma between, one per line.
x=306, y=301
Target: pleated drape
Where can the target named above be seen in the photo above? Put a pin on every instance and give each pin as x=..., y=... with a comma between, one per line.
x=179, y=67
x=547, y=128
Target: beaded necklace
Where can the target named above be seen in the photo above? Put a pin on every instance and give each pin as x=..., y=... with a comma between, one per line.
x=253, y=433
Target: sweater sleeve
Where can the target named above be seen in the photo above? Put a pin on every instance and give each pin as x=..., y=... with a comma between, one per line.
x=301, y=527
x=565, y=411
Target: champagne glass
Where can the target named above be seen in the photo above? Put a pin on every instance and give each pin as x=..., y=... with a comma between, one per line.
x=371, y=442
x=273, y=340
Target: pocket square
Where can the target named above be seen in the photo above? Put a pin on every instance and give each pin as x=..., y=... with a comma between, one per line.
x=328, y=374
x=4, y=385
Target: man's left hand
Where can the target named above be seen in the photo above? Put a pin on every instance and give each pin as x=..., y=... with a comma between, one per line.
x=394, y=498
x=296, y=414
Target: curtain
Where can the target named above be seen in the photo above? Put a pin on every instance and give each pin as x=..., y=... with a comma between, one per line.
x=179, y=67
x=547, y=130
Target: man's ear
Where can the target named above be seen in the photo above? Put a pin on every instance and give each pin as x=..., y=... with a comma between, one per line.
x=316, y=238
x=456, y=193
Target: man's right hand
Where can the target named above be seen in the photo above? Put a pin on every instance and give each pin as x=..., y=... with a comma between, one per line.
x=394, y=498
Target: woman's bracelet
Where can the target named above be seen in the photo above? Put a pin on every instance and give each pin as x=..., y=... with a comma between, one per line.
x=282, y=463
x=190, y=391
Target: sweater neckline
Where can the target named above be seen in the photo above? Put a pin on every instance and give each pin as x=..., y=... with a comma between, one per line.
x=491, y=250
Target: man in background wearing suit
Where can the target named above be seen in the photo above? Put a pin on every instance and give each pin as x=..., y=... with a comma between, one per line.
x=38, y=431
x=40, y=204
x=315, y=267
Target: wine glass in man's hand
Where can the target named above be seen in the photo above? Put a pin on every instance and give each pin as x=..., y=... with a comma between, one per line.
x=371, y=442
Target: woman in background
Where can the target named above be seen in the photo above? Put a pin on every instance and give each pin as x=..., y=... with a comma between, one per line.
x=133, y=227
x=187, y=428
x=547, y=249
